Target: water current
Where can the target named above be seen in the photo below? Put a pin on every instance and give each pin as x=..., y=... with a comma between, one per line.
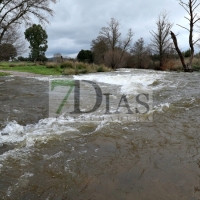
x=47, y=157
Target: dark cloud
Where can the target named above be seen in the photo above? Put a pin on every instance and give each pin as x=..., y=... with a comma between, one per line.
x=76, y=23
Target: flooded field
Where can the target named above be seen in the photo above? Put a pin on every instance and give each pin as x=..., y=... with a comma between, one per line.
x=54, y=158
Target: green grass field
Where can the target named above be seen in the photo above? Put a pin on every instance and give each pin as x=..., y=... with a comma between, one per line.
x=30, y=67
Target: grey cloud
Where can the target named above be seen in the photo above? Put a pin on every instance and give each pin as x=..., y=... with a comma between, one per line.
x=76, y=23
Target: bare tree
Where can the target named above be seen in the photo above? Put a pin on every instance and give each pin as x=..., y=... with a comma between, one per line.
x=14, y=37
x=161, y=37
x=15, y=12
x=116, y=46
x=191, y=8
x=140, y=54
x=58, y=57
x=12, y=44
x=7, y=52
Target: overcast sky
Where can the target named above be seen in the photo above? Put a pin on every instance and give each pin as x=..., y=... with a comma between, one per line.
x=77, y=22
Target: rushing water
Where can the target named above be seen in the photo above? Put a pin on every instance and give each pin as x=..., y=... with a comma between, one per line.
x=58, y=158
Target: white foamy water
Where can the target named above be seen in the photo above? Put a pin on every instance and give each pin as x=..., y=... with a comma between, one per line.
x=129, y=83
x=42, y=131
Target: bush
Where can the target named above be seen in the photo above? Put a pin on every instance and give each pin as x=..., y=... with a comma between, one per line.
x=81, y=66
x=100, y=69
x=83, y=71
x=69, y=71
x=67, y=65
x=12, y=65
x=52, y=65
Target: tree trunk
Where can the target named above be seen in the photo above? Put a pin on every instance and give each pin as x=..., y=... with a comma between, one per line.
x=186, y=68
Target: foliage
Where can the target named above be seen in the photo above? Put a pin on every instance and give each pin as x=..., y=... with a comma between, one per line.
x=187, y=53
x=21, y=58
x=82, y=68
x=85, y=56
x=67, y=65
x=37, y=38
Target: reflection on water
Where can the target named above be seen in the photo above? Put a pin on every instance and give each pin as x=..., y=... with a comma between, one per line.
x=63, y=159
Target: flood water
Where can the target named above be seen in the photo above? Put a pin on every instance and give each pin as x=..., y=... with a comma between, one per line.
x=54, y=158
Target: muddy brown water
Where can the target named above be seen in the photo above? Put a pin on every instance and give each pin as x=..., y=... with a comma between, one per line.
x=53, y=158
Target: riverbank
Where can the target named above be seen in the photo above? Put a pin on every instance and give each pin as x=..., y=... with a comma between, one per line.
x=22, y=74
x=4, y=73
x=50, y=68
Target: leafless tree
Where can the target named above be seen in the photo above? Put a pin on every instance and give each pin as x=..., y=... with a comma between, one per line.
x=116, y=46
x=140, y=54
x=12, y=43
x=161, y=37
x=193, y=17
x=15, y=37
x=15, y=12
x=58, y=58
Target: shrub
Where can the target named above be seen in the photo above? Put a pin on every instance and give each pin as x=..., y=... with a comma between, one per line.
x=81, y=66
x=69, y=71
x=12, y=65
x=100, y=69
x=51, y=65
x=83, y=71
x=67, y=65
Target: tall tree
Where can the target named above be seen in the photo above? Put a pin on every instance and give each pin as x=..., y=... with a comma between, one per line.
x=99, y=47
x=37, y=38
x=116, y=46
x=193, y=17
x=140, y=54
x=13, y=12
x=161, y=37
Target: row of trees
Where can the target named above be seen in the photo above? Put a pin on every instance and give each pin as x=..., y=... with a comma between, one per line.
x=110, y=49
x=13, y=14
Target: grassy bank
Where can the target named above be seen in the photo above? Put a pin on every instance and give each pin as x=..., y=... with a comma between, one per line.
x=52, y=68
x=4, y=74
x=175, y=64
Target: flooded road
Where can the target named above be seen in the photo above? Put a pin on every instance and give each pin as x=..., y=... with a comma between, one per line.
x=61, y=158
